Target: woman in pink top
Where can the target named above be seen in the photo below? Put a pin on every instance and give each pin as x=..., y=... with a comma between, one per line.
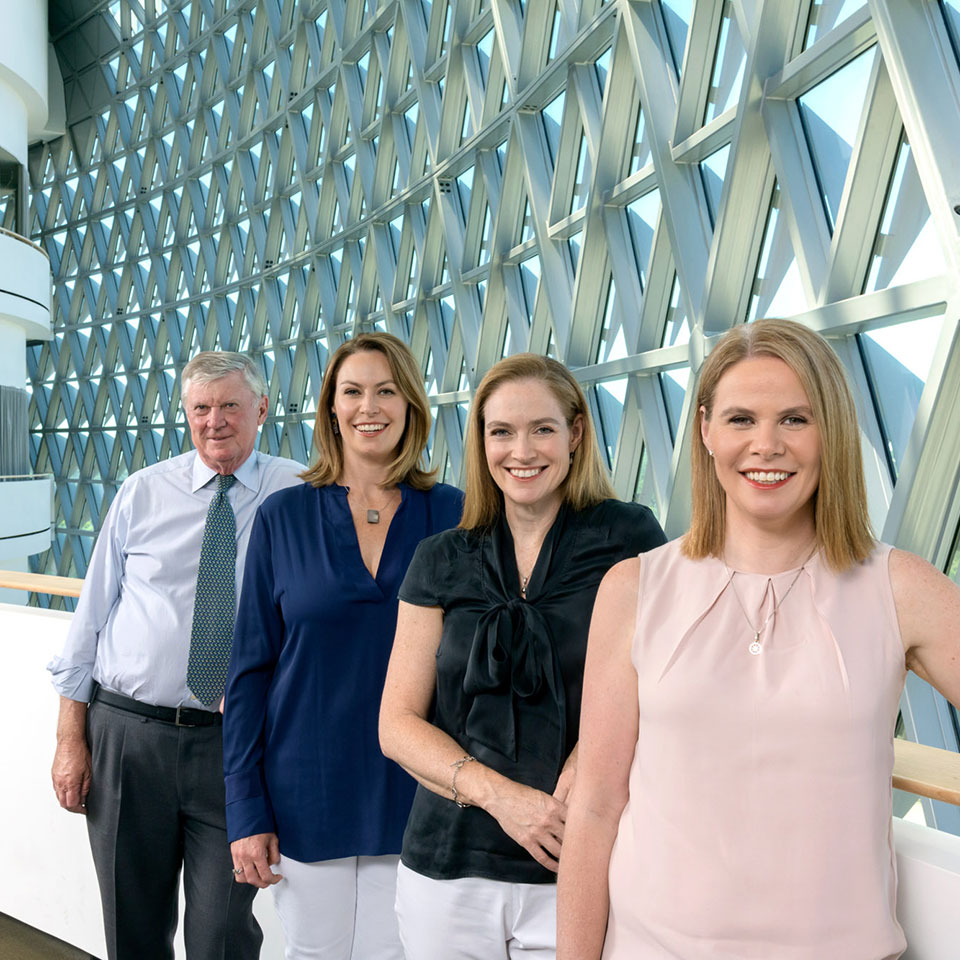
x=733, y=796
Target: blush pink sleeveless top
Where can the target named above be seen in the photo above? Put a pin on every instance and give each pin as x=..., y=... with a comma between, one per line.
x=759, y=817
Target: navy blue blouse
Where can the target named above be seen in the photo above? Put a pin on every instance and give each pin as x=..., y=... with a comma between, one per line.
x=314, y=630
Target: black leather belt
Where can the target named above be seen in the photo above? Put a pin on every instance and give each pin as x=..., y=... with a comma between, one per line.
x=181, y=716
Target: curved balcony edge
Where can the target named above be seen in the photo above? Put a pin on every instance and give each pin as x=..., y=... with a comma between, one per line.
x=26, y=511
x=25, y=285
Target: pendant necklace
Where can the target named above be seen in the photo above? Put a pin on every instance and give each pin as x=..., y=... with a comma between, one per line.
x=373, y=516
x=523, y=586
x=756, y=647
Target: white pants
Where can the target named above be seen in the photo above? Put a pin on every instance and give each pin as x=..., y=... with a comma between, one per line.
x=339, y=909
x=475, y=919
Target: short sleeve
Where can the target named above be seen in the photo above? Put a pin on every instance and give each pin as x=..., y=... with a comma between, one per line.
x=425, y=584
x=644, y=532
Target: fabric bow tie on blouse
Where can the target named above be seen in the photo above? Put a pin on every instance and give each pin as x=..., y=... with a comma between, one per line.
x=512, y=659
x=214, y=609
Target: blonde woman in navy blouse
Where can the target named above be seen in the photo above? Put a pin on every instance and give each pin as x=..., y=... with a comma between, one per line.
x=308, y=791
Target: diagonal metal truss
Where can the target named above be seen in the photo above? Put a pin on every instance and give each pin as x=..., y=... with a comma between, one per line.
x=613, y=183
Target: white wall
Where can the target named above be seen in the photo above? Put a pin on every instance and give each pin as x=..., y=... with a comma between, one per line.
x=25, y=273
x=23, y=56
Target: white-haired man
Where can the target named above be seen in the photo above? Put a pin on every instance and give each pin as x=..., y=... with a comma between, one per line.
x=140, y=679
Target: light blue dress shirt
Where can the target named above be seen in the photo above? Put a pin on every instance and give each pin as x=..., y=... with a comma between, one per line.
x=131, y=631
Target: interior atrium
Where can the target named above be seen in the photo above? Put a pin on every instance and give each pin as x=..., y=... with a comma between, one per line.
x=610, y=183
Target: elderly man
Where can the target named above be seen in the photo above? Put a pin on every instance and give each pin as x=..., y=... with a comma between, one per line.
x=148, y=651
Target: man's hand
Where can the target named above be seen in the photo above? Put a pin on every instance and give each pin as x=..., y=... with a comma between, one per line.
x=252, y=856
x=71, y=775
x=71, y=762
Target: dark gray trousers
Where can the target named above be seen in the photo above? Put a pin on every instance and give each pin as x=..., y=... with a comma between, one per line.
x=156, y=803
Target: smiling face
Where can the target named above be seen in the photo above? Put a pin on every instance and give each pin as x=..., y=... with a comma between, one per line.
x=224, y=415
x=528, y=443
x=371, y=411
x=765, y=444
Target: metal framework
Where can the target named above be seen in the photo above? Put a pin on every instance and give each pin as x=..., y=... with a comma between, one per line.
x=613, y=183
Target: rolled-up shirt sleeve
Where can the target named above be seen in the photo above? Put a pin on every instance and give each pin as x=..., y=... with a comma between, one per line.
x=72, y=671
x=257, y=642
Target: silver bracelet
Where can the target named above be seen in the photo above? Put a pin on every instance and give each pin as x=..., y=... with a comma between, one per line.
x=457, y=764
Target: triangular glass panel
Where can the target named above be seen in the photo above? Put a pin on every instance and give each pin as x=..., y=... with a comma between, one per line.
x=827, y=14
x=713, y=171
x=677, y=15
x=897, y=360
x=643, y=214
x=728, y=66
x=830, y=114
x=777, y=287
x=610, y=396
x=907, y=246
x=673, y=385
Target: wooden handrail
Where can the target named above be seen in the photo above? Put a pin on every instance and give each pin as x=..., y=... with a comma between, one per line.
x=29, y=243
x=40, y=583
x=925, y=771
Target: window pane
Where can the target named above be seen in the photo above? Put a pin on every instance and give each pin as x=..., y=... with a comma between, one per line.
x=830, y=113
x=826, y=14
x=643, y=490
x=712, y=173
x=728, y=66
x=897, y=360
x=676, y=329
x=642, y=216
x=676, y=16
x=610, y=396
x=777, y=288
x=613, y=342
x=673, y=384
x=907, y=246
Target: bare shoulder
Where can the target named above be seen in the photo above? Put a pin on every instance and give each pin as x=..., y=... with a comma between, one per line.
x=622, y=575
x=912, y=579
x=927, y=602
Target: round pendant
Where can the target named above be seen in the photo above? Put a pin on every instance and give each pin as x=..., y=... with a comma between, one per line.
x=755, y=648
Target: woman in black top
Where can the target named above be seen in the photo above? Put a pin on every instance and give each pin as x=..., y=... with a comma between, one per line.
x=482, y=698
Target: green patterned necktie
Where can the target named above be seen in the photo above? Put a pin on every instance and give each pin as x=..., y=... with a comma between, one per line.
x=214, y=609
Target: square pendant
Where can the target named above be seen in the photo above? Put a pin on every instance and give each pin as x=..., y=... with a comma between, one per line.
x=373, y=516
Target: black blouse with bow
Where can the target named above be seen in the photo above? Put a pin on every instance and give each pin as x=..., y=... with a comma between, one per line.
x=510, y=670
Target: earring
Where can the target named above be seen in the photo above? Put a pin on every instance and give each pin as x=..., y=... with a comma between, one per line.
x=571, y=458
x=709, y=451
x=335, y=424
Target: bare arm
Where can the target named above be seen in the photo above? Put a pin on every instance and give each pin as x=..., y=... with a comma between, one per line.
x=531, y=817
x=928, y=609
x=71, y=762
x=608, y=737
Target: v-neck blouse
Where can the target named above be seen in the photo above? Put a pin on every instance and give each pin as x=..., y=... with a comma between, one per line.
x=313, y=636
x=510, y=669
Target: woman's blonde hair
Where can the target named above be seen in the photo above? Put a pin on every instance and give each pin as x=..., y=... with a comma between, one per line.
x=408, y=466
x=840, y=501
x=587, y=482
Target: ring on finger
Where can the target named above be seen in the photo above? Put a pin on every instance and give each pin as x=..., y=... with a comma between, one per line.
x=238, y=870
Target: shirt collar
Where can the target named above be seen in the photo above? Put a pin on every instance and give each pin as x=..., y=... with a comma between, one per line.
x=248, y=473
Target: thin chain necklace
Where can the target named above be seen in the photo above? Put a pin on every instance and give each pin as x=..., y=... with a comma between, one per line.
x=755, y=646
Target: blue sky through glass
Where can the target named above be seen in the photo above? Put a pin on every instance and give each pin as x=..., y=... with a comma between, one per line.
x=897, y=359
x=677, y=15
x=830, y=113
x=713, y=170
x=907, y=246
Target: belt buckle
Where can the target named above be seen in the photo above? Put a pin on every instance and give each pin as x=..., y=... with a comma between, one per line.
x=182, y=723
